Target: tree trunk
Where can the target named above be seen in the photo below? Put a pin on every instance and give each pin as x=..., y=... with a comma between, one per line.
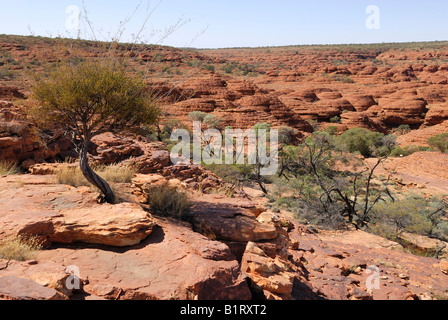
x=92, y=177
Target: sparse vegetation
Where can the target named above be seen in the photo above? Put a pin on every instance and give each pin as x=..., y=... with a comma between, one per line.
x=324, y=195
x=439, y=142
x=411, y=214
x=168, y=201
x=19, y=248
x=8, y=168
x=72, y=175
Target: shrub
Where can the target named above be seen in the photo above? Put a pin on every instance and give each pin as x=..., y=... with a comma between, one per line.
x=197, y=116
x=19, y=248
x=439, y=142
x=361, y=140
x=332, y=130
x=413, y=214
x=210, y=68
x=286, y=135
x=335, y=119
x=168, y=201
x=403, y=129
x=406, y=151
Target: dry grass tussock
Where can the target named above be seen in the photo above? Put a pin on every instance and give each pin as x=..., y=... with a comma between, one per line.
x=168, y=201
x=113, y=174
x=8, y=168
x=19, y=248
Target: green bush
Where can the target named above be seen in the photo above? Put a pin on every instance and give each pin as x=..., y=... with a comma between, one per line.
x=332, y=130
x=362, y=141
x=335, y=119
x=439, y=142
x=406, y=151
x=403, y=129
x=413, y=214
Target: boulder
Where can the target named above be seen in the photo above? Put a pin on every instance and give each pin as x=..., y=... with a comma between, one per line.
x=119, y=225
x=226, y=221
x=272, y=277
x=172, y=263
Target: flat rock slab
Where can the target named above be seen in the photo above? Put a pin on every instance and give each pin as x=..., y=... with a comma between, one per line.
x=63, y=214
x=14, y=288
x=172, y=263
x=230, y=220
x=119, y=225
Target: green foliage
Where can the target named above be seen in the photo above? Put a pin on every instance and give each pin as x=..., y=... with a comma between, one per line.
x=209, y=67
x=439, y=142
x=413, y=214
x=262, y=126
x=403, y=129
x=335, y=119
x=361, y=140
x=212, y=122
x=406, y=151
x=197, y=116
x=286, y=135
x=209, y=120
x=320, y=193
x=228, y=68
x=92, y=97
x=332, y=130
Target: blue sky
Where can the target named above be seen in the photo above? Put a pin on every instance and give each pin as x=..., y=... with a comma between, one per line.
x=236, y=23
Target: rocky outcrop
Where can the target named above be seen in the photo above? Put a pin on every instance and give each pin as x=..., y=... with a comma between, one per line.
x=437, y=114
x=120, y=251
x=33, y=280
x=271, y=277
x=362, y=120
x=224, y=219
x=20, y=142
x=173, y=263
x=63, y=214
x=239, y=104
x=335, y=268
x=395, y=112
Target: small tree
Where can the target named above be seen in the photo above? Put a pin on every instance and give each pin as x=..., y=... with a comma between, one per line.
x=334, y=196
x=91, y=98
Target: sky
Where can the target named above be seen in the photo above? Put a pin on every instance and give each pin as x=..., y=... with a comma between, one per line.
x=230, y=23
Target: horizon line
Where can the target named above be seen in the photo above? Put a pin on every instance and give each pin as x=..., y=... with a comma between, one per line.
x=241, y=47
